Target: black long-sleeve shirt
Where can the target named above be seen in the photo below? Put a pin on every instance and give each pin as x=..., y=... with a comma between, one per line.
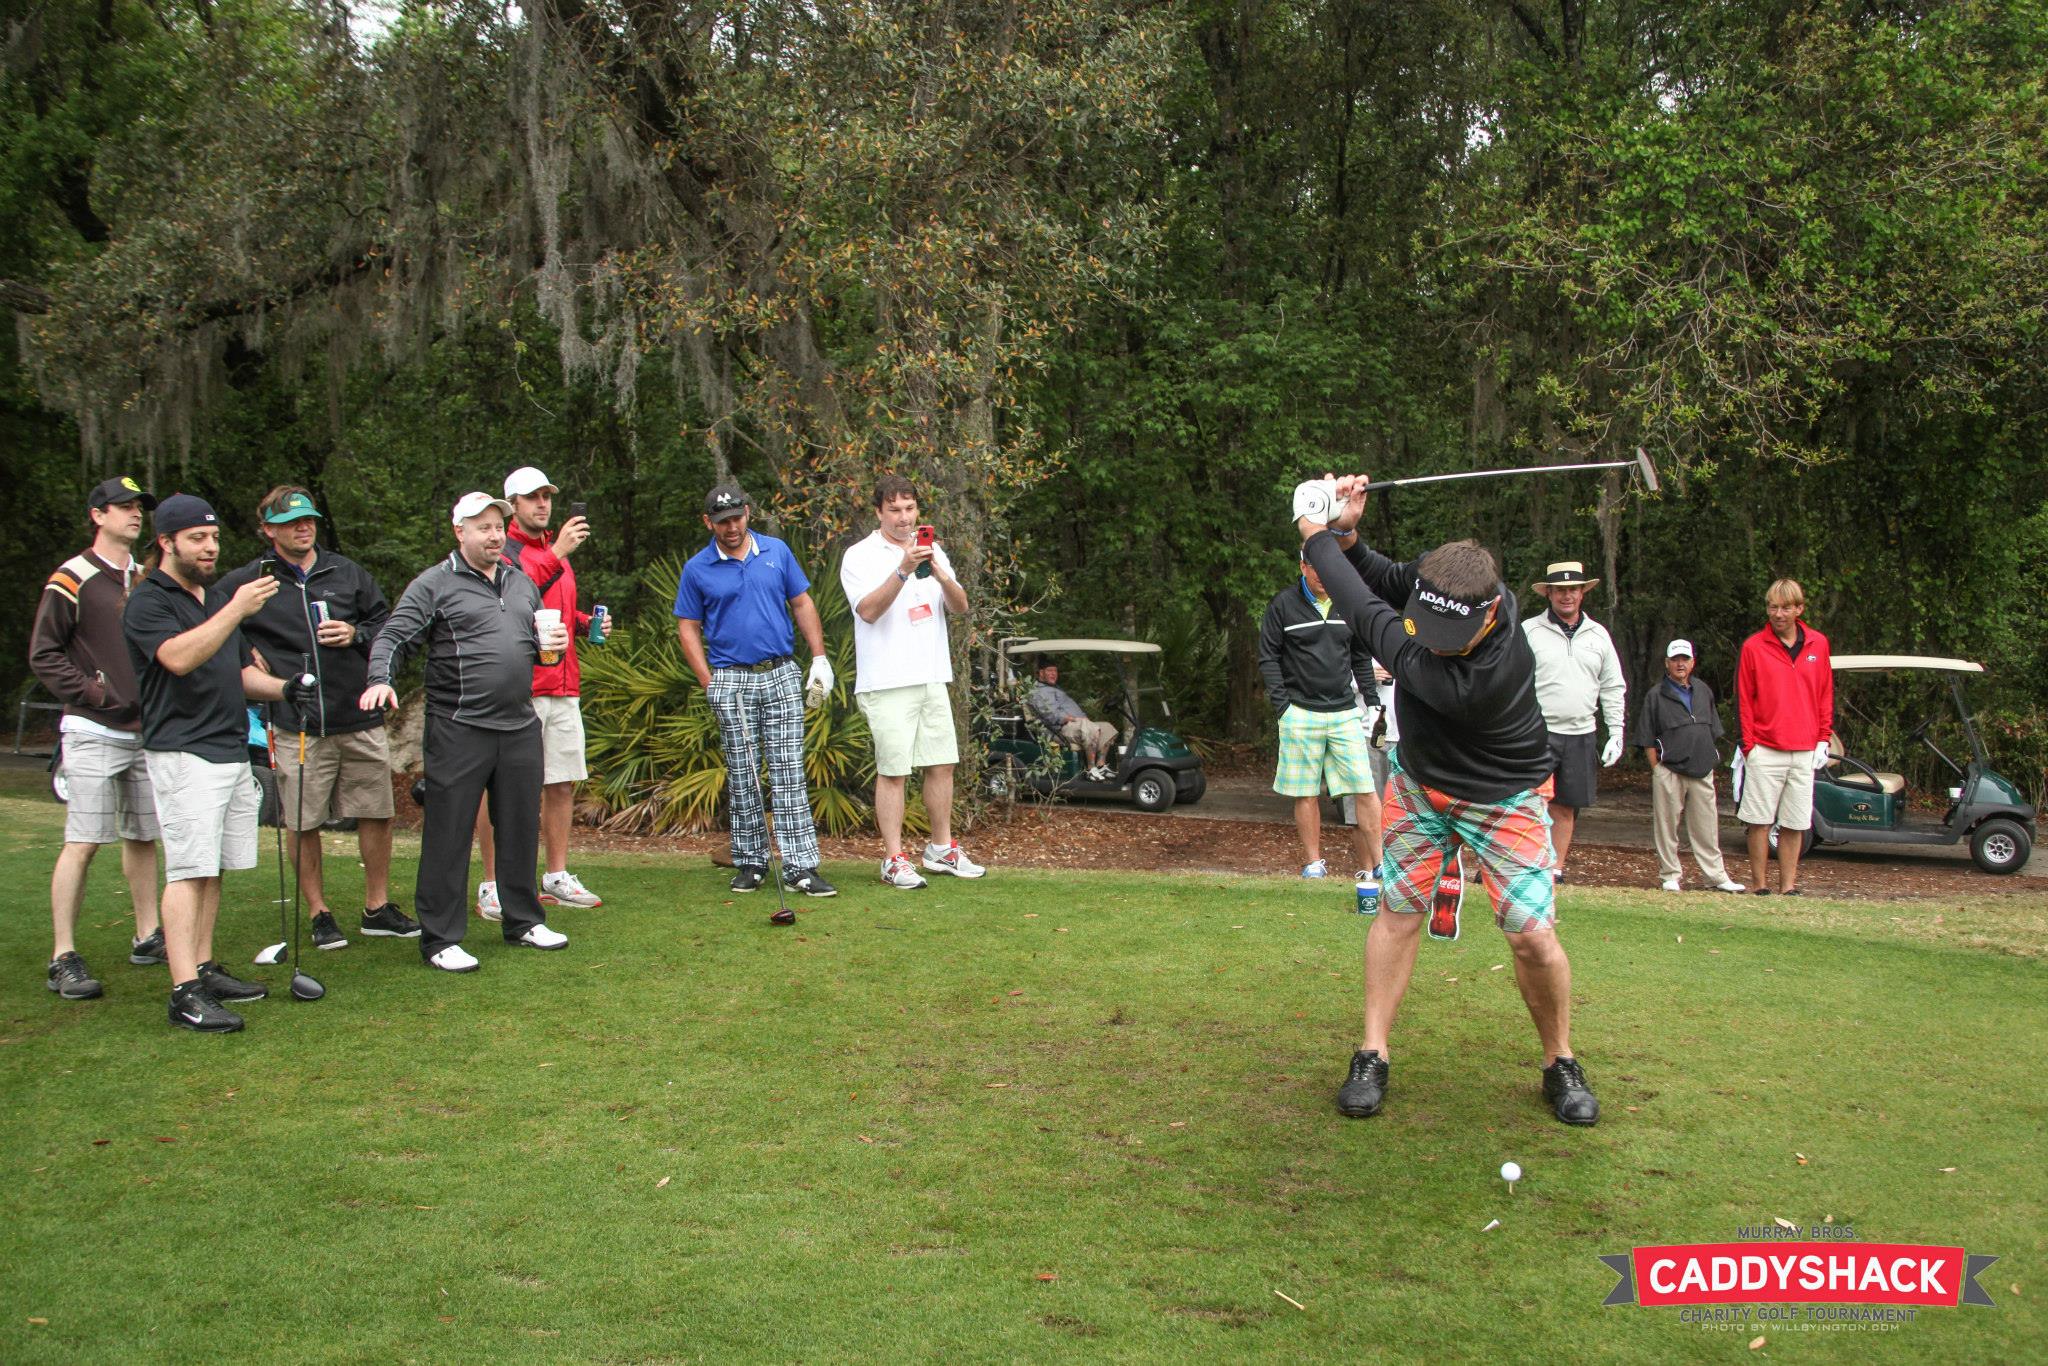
x=283, y=630
x=1469, y=723
x=481, y=645
x=1309, y=659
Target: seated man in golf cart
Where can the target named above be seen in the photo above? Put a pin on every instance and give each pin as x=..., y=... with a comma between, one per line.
x=1062, y=715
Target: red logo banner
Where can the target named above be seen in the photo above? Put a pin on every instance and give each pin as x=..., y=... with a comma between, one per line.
x=1801, y=1273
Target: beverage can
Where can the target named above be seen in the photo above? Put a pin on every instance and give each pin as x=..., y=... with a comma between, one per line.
x=600, y=623
x=321, y=614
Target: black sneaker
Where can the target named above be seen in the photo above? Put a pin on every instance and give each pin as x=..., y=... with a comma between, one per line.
x=327, y=934
x=809, y=882
x=69, y=978
x=388, y=922
x=149, y=953
x=192, y=1008
x=221, y=985
x=1365, y=1088
x=1564, y=1086
x=748, y=879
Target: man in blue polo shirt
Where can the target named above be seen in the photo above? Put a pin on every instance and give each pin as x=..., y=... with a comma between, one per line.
x=733, y=611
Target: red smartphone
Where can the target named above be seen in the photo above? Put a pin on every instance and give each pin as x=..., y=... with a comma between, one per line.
x=924, y=541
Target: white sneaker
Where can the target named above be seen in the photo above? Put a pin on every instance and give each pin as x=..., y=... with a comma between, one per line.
x=1670, y=884
x=564, y=889
x=1729, y=885
x=487, y=901
x=541, y=937
x=454, y=958
x=897, y=872
x=951, y=859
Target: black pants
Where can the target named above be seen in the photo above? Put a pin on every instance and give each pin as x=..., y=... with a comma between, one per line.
x=463, y=763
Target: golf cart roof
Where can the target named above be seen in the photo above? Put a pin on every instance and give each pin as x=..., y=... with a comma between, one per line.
x=1079, y=646
x=1856, y=663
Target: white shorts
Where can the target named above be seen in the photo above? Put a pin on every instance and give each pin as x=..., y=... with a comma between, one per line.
x=1777, y=788
x=107, y=792
x=912, y=727
x=207, y=812
x=561, y=739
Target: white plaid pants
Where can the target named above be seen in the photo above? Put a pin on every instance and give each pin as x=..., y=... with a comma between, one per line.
x=758, y=711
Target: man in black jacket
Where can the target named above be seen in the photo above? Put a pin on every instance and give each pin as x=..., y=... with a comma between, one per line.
x=1678, y=731
x=1471, y=765
x=1311, y=661
x=326, y=612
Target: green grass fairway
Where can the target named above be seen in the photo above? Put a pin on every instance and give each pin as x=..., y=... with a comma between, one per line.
x=1037, y=1118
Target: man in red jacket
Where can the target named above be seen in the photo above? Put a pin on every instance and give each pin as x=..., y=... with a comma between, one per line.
x=1785, y=691
x=557, y=689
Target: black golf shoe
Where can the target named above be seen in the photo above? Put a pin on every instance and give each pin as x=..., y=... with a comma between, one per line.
x=221, y=985
x=70, y=979
x=809, y=882
x=327, y=934
x=1564, y=1086
x=192, y=1008
x=748, y=879
x=149, y=953
x=388, y=922
x=1366, y=1087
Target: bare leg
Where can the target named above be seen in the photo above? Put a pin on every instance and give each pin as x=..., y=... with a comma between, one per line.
x=373, y=838
x=1759, y=855
x=1563, y=821
x=889, y=812
x=487, y=841
x=1389, y=962
x=938, y=802
x=307, y=858
x=557, y=807
x=1365, y=836
x=67, y=894
x=180, y=917
x=1788, y=859
x=1545, y=976
x=202, y=924
x=1308, y=823
x=138, y=865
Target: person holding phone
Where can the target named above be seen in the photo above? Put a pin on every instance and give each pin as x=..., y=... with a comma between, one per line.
x=557, y=687
x=901, y=587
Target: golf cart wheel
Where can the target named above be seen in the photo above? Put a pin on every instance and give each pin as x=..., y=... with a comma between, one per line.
x=1152, y=789
x=1191, y=787
x=1805, y=841
x=2001, y=846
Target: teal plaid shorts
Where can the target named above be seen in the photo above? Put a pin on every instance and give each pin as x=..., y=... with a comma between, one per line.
x=1319, y=747
x=1510, y=840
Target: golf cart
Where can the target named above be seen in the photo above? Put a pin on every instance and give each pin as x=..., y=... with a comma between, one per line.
x=1856, y=803
x=1153, y=767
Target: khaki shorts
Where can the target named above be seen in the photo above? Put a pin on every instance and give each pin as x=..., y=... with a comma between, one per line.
x=912, y=728
x=1099, y=736
x=207, y=812
x=1777, y=788
x=346, y=775
x=108, y=797
x=561, y=739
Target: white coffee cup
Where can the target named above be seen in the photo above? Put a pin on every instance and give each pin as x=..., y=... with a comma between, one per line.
x=547, y=627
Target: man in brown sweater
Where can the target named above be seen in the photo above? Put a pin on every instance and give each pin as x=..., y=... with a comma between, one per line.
x=77, y=651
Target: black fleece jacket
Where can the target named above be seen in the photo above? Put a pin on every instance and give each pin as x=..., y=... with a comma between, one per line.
x=1309, y=660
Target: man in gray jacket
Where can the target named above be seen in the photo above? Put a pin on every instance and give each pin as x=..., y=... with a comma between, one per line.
x=475, y=611
x=1678, y=730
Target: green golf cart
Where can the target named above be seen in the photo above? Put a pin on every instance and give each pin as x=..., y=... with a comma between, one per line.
x=1855, y=802
x=1152, y=767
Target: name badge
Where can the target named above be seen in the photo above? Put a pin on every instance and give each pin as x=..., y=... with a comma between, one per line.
x=921, y=612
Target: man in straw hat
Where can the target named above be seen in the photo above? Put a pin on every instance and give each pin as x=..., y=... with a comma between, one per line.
x=1578, y=677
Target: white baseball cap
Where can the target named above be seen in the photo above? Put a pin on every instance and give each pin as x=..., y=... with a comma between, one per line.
x=526, y=479
x=470, y=504
x=1677, y=648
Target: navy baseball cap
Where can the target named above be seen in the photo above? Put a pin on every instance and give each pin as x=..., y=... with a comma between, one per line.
x=1440, y=620
x=121, y=489
x=726, y=501
x=182, y=512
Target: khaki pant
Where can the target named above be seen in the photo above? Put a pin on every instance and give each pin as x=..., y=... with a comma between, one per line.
x=1084, y=734
x=1674, y=796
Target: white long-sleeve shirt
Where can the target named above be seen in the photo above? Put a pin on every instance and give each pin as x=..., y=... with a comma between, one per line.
x=1578, y=676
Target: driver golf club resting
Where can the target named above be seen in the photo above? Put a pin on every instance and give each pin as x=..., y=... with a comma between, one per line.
x=1472, y=761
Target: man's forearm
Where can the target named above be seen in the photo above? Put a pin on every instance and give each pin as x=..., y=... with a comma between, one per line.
x=690, y=636
x=870, y=608
x=259, y=686
x=183, y=653
x=807, y=624
x=954, y=594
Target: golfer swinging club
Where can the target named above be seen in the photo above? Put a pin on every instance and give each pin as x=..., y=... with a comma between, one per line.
x=1472, y=758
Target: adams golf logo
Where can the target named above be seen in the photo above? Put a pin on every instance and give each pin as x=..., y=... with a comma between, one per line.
x=1786, y=1276
x=1440, y=602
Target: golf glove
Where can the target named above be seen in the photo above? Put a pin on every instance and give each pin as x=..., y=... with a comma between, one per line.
x=1316, y=500
x=1820, y=756
x=300, y=689
x=821, y=679
x=1611, y=755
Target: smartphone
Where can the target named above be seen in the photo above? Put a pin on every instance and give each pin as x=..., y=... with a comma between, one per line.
x=924, y=541
x=578, y=510
x=277, y=569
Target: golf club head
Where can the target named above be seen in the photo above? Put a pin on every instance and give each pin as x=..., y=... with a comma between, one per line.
x=1647, y=470
x=271, y=956
x=305, y=988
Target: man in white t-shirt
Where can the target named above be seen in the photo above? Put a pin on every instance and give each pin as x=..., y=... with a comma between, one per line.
x=901, y=591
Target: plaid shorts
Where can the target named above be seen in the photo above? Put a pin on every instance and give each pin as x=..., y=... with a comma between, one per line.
x=1510, y=840
x=1318, y=747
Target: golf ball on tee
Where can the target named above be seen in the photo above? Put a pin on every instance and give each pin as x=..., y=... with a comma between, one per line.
x=1510, y=1171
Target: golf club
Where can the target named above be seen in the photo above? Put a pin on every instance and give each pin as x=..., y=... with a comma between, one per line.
x=783, y=915
x=304, y=988
x=274, y=954
x=1641, y=465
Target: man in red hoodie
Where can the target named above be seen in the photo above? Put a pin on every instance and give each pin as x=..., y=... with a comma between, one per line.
x=1785, y=691
x=557, y=689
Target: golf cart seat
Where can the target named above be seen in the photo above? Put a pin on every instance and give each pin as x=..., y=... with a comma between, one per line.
x=1891, y=784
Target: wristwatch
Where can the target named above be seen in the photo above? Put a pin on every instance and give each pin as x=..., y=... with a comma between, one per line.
x=902, y=576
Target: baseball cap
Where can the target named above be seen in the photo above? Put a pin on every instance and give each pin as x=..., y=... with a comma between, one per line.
x=1442, y=621
x=120, y=489
x=297, y=506
x=726, y=500
x=1677, y=648
x=470, y=504
x=524, y=480
x=182, y=512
